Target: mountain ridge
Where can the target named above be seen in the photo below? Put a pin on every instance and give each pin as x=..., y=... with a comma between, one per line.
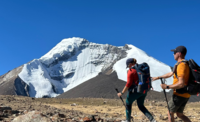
x=74, y=61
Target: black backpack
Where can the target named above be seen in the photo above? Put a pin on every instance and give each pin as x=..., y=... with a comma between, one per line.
x=144, y=80
x=193, y=87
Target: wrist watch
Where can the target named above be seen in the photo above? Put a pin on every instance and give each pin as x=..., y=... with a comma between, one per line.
x=167, y=87
x=121, y=93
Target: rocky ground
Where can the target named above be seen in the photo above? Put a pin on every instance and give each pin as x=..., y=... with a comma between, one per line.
x=18, y=108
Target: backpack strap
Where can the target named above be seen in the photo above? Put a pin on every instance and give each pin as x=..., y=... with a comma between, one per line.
x=136, y=72
x=135, y=67
x=176, y=65
x=175, y=69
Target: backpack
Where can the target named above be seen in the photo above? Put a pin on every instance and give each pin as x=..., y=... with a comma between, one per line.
x=144, y=80
x=193, y=87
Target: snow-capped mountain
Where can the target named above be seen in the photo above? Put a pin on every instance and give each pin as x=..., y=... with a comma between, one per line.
x=76, y=60
x=70, y=63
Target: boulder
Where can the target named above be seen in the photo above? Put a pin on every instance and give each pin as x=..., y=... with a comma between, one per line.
x=33, y=116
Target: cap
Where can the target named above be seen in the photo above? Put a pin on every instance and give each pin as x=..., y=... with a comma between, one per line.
x=181, y=49
x=128, y=61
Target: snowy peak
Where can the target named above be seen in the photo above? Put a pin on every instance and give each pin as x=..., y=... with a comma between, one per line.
x=70, y=63
x=64, y=50
x=74, y=61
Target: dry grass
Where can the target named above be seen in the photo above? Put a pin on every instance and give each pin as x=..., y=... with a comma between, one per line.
x=114, y=107
x=158, y=111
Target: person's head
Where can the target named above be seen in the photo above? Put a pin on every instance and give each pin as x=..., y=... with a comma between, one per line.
x=179, y=52
x=130, y=62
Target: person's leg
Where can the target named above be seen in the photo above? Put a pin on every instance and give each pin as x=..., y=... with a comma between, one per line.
x=174, y=105
x=140, y=103
x=183, y=117
x=179, y=112
x=131, y=97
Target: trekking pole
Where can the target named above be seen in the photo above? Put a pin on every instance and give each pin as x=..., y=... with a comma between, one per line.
x=120, y=97
x=123, y=103
x=166, y=98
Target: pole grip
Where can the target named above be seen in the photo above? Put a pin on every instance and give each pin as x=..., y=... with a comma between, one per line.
x=162, y=80
x=120, y=97
x=117, y=90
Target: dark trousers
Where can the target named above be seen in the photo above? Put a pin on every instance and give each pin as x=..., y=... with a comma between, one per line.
x=131, y=97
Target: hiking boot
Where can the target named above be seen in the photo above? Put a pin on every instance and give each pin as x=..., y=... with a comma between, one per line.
x=125, y=121
x=153, y=120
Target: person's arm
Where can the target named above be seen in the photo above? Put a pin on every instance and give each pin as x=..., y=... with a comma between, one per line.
x=128, y=84
x=125, y=89
x=132, y=79
x=178, y=85
x=181, y=71
x=163, y=76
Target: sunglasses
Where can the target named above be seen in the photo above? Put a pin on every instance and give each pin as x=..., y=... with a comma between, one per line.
x=175, y=52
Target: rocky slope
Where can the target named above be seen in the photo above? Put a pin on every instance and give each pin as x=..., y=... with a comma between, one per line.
x=103, y=86
x=11, y=83
x=18, y=108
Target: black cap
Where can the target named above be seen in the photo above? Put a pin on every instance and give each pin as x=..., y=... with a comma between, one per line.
x=181, y=49
x=128, y=61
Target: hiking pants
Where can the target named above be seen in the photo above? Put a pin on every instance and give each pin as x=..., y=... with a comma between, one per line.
x=131, y=97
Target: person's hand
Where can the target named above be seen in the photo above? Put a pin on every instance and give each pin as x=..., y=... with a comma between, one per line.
x=164, y=86
x=154, y=78
x=119, y=94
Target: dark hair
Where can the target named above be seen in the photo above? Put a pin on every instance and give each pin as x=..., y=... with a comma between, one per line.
x=130, y=60
x=134, y=61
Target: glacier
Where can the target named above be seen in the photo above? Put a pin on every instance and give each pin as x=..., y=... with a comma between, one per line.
x=76, y=60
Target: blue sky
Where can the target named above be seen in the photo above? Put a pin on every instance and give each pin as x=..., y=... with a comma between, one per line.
x=30, y=28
